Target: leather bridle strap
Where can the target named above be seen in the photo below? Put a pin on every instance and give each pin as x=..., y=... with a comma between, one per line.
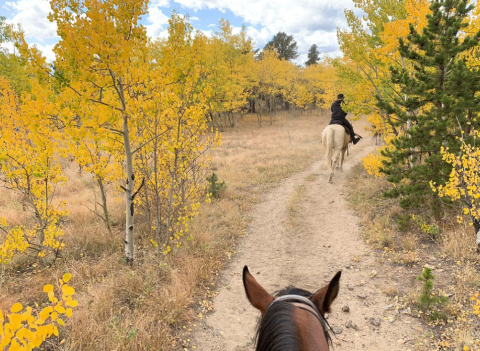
x=302, y=300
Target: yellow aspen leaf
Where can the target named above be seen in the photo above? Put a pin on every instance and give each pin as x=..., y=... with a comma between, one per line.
x=44, y=314
x=17, y=307
x=68, y=312
x=72, y=303
x=15, y=346
x=66, y=277
x=68, y=290
x=21, y=333
x=60, y=309
x=48, y=288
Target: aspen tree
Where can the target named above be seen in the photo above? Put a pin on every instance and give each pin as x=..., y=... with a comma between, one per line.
x=176, y=157
x=29, y=166
x=229, y=59
x=464, y=180
x=104, y=63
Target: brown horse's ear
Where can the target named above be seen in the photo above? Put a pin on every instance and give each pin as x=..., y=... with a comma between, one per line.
x=256, y=294
x=324, y=297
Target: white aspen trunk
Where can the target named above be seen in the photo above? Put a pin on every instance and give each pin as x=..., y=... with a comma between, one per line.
x=173, y=175
x=129, y=243
x=478, y=241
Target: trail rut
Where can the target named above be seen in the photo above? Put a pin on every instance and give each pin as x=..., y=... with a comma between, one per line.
x=326, y=239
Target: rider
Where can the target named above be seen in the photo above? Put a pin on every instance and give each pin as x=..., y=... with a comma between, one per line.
x=338, y=117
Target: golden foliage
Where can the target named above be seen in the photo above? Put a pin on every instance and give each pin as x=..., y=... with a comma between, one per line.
x=27, y=135
x=26, y=328
x=464, y=180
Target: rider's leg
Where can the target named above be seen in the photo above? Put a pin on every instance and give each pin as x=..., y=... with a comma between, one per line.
x=355, y=138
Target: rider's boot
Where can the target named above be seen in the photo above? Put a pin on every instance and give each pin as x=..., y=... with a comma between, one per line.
x=356, y=138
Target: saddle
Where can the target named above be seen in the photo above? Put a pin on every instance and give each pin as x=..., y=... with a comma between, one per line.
x=333, y=121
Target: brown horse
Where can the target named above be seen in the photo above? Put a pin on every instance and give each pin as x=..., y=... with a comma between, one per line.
x=293, y=319
x=335, y=139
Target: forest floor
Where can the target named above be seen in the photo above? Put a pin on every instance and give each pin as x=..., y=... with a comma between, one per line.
x=301, y=234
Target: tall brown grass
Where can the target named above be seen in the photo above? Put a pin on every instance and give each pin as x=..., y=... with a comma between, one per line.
x=144, y=306
x=452, y=253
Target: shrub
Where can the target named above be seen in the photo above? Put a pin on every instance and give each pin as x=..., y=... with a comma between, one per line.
x=215, y=188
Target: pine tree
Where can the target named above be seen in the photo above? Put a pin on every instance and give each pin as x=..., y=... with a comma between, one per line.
x=437, y=101
x=284, y=45
x=313, y=55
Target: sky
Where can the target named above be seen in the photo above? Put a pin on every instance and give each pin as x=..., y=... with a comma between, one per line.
x=308, y=21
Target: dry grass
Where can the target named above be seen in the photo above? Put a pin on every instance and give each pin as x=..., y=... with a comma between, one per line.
x=457, y=268
x=459, y=242
x=145, y=306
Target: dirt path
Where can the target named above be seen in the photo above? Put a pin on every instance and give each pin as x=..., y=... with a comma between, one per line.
x=326, y=240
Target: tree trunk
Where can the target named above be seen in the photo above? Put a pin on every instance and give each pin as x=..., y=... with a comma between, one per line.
x=157, y=195
x=259, y=112
x=476, y=225
x=106, y=218
x=235, y=120
x=129, y=186
x=170, y=198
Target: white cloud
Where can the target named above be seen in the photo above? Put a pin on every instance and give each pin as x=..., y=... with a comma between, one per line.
x=236, y=30
x=260, y=37
x=9, y=47
x=32, y=16
x=207, y=33
x=309, y=21
x=47, y=51
x=158, y=21
x=160, y=3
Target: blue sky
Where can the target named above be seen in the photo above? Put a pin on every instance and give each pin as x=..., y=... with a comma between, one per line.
x=309, y=21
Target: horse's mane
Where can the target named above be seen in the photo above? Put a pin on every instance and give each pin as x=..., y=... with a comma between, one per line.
x=278, y=325
x=277, y=330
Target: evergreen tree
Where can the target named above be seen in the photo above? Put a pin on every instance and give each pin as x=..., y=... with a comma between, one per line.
x=438, y=100
x=285, y=46
x=313, y=55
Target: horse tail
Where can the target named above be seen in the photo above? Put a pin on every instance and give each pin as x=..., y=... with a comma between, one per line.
x=329, y=144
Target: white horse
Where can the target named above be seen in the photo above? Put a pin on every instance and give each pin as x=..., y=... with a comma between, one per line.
x=336, y=140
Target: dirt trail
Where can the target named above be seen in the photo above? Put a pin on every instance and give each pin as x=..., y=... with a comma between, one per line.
x=308, y=255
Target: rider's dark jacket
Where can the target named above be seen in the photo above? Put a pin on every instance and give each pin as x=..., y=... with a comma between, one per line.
x=337, y=112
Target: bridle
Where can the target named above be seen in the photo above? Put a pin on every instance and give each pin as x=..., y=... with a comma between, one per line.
x=303, y=303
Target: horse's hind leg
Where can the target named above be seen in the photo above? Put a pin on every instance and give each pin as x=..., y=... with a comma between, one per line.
x=342, y=158
x=334, y=164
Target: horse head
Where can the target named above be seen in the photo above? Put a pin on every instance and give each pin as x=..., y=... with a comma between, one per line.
x=293, y=319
